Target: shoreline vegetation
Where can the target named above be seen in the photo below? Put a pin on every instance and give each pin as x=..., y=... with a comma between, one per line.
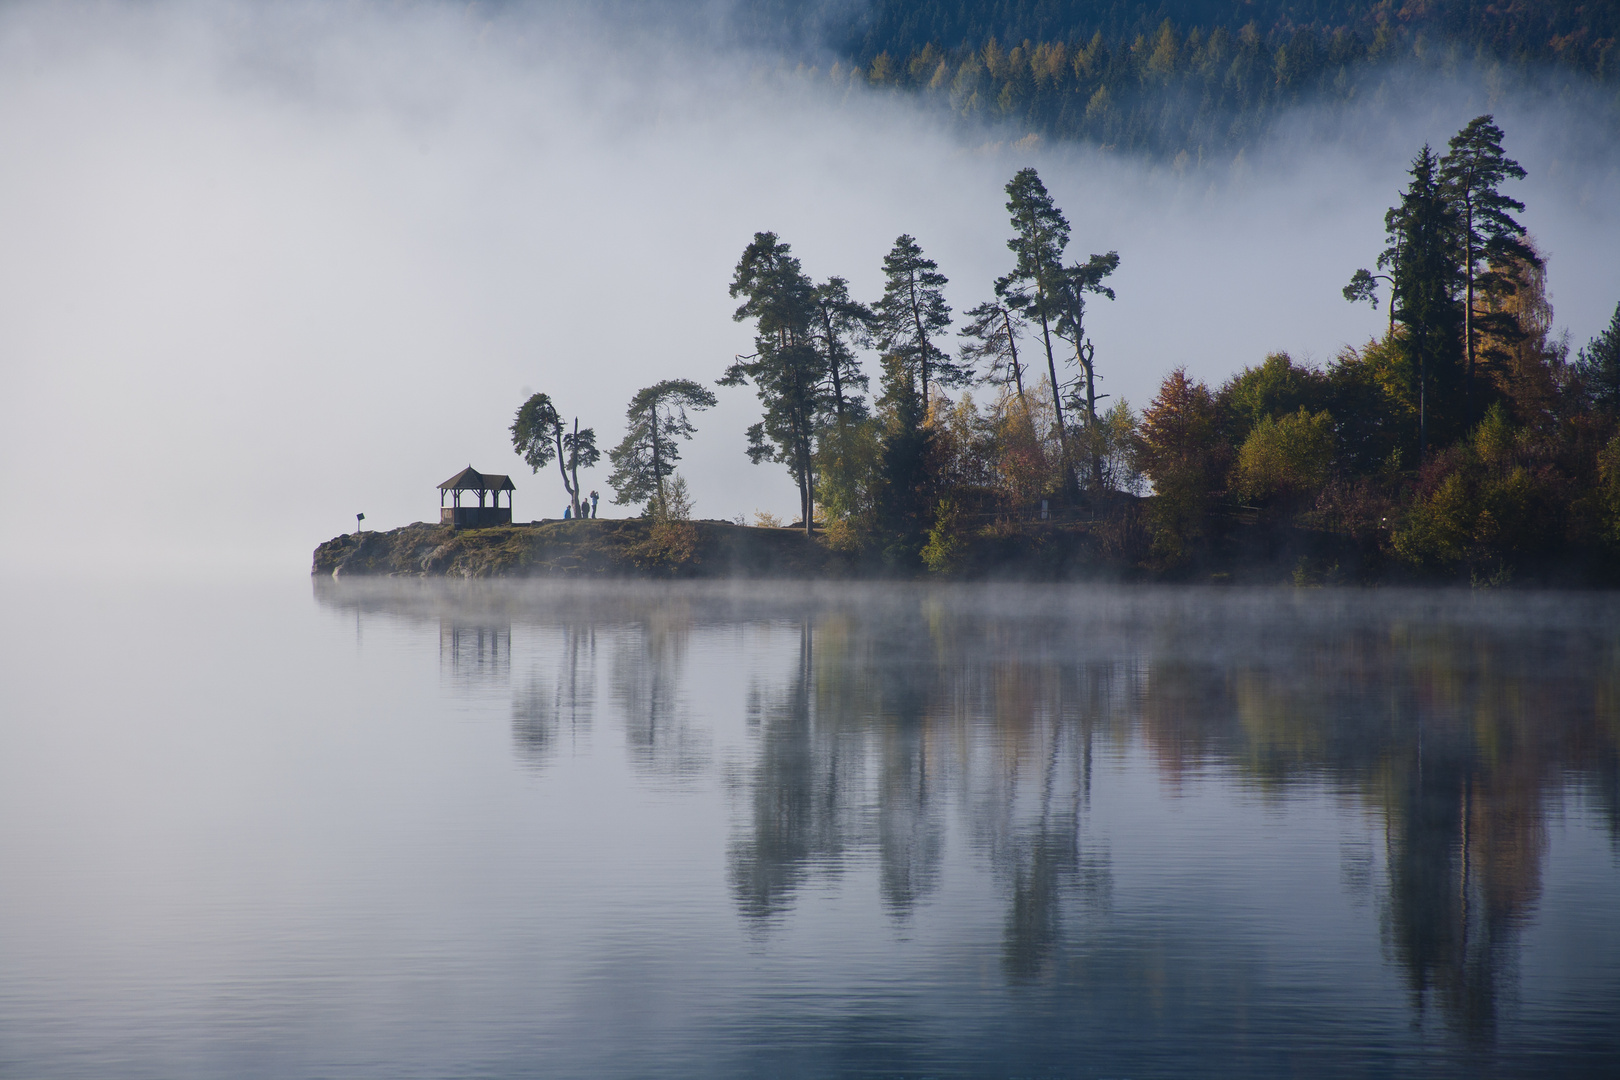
x=1463, y=445
x=1112, y=546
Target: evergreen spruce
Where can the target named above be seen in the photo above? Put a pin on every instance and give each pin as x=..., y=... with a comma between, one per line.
x=1423, y=242
x=905, y=486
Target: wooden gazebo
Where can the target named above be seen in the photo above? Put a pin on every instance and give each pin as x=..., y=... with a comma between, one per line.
x=476, y=517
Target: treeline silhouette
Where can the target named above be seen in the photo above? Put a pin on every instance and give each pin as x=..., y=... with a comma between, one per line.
x=1188, y=77
x=1463, y=441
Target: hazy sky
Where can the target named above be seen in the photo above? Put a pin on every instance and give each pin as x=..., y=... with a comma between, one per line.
x=265, y=266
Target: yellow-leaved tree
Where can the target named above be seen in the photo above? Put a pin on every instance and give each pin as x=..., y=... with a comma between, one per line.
x=1283, y=462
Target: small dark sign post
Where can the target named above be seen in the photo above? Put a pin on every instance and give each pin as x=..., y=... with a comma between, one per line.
x=359, y=522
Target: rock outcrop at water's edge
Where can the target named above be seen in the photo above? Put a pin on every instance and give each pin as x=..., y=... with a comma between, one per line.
x=639, y=548
x=616, y=548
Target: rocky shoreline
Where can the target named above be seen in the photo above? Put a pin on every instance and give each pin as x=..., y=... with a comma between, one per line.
x=1105, y=549
x=591, y=548
x=636, y=548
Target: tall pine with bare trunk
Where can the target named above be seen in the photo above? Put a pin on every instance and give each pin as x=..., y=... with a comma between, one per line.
x=786, y=368
x=1489, y=239
x=1033, y=288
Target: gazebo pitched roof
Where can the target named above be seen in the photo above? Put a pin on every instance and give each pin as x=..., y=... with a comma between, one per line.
x=470, y=479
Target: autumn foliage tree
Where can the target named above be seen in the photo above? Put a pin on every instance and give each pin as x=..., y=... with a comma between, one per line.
x=1181, y=454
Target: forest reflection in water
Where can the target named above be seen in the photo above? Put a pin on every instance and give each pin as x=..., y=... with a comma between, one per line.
x=1458, y=722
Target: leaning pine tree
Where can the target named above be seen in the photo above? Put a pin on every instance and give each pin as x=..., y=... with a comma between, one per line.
x=646, y=456
x=1040, y=235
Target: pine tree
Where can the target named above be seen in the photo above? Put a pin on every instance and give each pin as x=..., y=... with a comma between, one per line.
x=1471, y=173
x=1033, y=288
x=1364, y=284
x=1076, y=282
x=841, y=323
x=912, y=313
x=786, y=367
x=540, y=436
x=1053, y=296
x=992, y=331
x=646, y=456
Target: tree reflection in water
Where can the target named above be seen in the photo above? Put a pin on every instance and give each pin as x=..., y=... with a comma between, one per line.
x=649, y=662
x=889, y=715
x=1458, y=722
x=1455, y=734
x=550, y=702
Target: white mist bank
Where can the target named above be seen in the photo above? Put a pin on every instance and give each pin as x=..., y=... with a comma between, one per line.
x=267, y=266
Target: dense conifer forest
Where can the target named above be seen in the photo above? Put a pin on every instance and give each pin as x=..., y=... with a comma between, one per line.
x=1190, y=80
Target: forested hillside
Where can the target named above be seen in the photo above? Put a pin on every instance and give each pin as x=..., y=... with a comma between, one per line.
x=1195, y=77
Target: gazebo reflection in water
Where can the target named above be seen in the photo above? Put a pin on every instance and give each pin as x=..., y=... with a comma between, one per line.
x=480, y=516
x=475, y=653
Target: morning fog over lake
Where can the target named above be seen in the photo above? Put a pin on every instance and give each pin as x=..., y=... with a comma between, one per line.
x=397, y=828
x=637, y=539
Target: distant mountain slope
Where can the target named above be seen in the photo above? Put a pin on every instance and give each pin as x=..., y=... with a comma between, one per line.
x=1201, y=77
x=1577, y=33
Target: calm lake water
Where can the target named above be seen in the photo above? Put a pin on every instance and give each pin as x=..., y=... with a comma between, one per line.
x=406, y=829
